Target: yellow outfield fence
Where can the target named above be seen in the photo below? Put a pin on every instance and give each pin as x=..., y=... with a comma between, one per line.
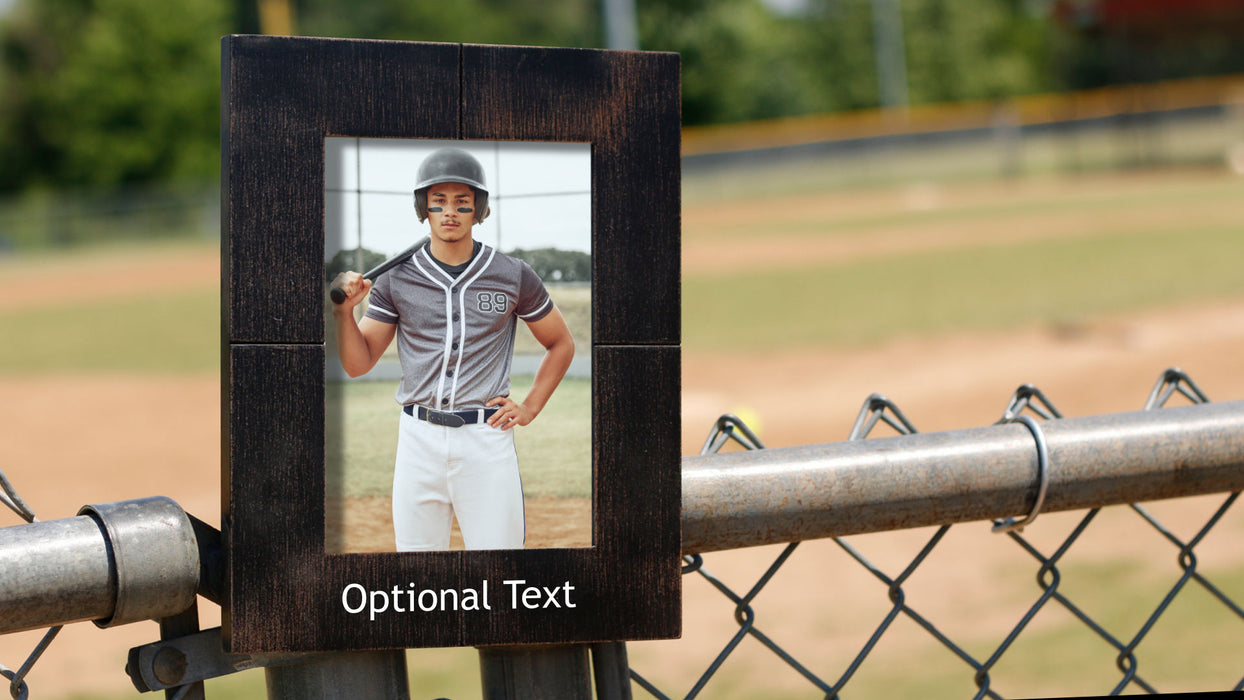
x=1030, y=110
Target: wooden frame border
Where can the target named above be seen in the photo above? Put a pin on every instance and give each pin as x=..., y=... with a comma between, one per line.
x=280, y=98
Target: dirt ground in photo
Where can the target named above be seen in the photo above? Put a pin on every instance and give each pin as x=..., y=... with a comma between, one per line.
x=367, y=525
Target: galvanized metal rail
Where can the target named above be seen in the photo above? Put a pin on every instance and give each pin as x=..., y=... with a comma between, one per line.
x=742, y=499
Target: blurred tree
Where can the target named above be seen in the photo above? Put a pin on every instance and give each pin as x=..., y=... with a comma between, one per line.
x=836, y=39
x=519, y=22
x=959, y=50
x=104, y=92
x=742, y=60
x=346, y=260
x=1106, y=42
x=108, y=92
x=553, y=265
x=737, y=58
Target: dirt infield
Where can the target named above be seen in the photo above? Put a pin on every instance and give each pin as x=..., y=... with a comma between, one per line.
x=128, y=272
x=965, y=380
x=367, y=525
x=87, y=439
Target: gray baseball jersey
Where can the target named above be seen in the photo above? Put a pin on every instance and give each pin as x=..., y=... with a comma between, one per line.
x=455, y=336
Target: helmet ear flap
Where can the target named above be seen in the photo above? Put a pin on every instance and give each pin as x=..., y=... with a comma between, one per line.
x=421, y=204
x=481, y=205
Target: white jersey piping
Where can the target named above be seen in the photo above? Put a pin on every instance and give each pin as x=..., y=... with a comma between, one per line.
x=440, y=384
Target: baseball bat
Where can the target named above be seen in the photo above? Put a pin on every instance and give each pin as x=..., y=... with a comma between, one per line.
x=339, y=296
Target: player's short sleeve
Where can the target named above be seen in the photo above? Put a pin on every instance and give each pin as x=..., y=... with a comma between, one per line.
x=533, y=299
x=380, y=305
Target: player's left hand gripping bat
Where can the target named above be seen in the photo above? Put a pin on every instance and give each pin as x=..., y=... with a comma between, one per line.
x=339, y=296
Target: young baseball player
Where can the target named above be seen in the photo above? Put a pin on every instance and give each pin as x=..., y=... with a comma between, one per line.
x=453, y=307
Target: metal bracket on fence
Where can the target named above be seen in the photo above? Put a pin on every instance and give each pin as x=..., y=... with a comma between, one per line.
x=186, y=623
x=185, y=662
x=171, y=663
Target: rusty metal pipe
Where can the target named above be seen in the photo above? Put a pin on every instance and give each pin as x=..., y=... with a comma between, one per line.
x=743, y=499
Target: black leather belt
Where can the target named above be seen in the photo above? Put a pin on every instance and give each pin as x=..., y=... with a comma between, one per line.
x=450, y=419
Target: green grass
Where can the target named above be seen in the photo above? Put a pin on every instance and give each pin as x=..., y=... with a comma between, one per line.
x=554, y=451
x=1193, y=195
x=1039, y=282
x=434, y=673
x=175, y=332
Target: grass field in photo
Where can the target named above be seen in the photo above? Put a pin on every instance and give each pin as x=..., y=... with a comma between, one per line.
x=554, y=451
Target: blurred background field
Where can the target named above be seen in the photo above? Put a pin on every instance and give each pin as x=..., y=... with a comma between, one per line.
x=1055, y=199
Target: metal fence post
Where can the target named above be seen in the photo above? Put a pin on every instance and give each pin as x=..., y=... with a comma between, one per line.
x=533, y=672
x=345, y=676
x=611, y=670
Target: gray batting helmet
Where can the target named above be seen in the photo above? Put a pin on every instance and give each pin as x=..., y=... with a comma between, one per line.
x=451, y=165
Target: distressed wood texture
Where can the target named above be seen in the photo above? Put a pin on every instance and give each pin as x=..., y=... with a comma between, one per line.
x=627, y=105
x=273, y=460
x=280, y=98
x=286, y=593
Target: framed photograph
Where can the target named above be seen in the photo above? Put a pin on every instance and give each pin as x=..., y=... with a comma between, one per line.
x=540, y=212
x=465, y=475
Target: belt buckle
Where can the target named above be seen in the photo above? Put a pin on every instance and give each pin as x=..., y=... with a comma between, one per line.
x=449, y=420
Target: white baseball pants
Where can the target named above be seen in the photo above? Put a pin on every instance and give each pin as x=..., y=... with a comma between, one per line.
x=470, y=471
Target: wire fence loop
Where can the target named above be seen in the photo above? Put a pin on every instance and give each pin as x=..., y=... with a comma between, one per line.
x=14, y=501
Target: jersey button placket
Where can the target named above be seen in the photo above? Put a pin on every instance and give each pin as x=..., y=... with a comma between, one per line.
x=454, y=329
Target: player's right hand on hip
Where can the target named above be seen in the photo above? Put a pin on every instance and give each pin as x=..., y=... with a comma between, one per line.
x=353, y=286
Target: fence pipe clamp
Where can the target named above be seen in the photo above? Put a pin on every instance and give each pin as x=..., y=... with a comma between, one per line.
x=114, y=563
x=155, y=555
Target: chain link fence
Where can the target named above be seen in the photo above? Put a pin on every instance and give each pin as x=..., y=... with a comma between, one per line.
x=17, y=683
x=1029, y=406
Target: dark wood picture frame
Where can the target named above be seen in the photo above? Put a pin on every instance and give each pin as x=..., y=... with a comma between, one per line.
x=281, y=97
